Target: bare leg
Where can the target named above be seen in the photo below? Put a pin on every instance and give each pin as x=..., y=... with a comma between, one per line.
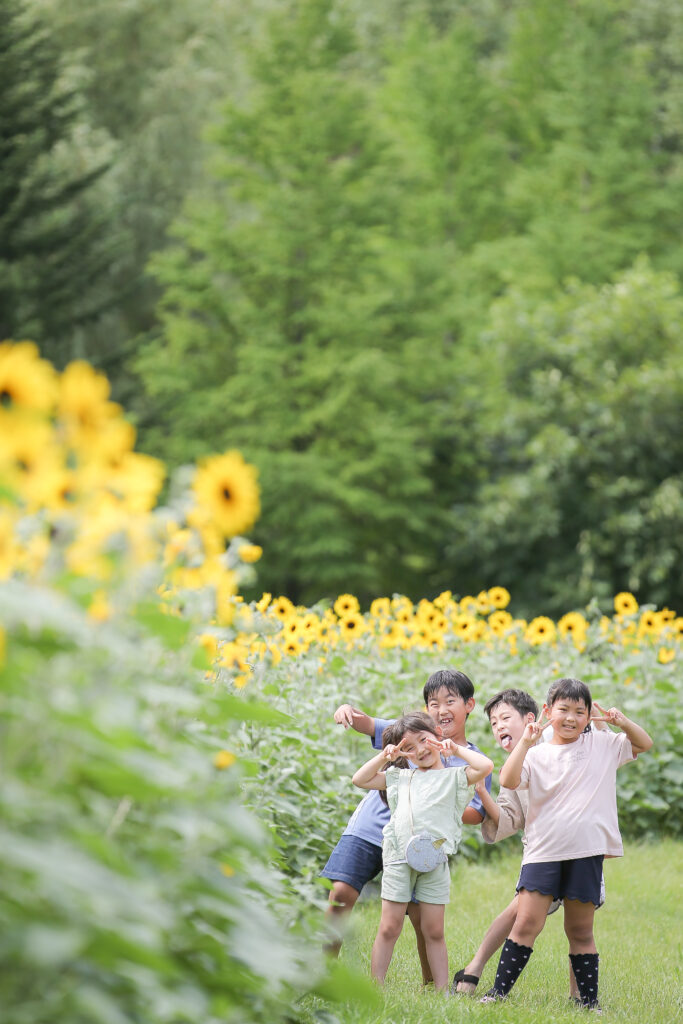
x=431, y=920
x=498, y=931
x=342, y=900
x=414, y=915
x=531, y=917
x=390, y=925
x=578, y=926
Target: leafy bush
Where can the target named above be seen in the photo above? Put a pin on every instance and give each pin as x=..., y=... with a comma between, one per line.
x=136, y=887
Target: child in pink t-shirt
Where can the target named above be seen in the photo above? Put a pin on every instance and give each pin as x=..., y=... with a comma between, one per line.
x=571, y=825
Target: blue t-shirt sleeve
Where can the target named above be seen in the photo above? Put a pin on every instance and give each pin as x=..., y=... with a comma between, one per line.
x=380, y=726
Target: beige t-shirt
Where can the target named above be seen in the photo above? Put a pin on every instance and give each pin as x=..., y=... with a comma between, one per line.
x=572, y=809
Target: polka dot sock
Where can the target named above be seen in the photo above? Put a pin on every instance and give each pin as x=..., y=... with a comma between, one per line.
x=513, y=960
x=585, y=968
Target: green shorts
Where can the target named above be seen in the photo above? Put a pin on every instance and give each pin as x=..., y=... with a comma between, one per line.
x=400, y=882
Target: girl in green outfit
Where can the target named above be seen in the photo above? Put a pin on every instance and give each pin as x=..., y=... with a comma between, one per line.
x=426, y=803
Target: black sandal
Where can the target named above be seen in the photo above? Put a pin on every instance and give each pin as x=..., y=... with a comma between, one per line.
x=470, y=979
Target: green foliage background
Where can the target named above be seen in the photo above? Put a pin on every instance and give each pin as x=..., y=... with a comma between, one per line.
x=419, y=262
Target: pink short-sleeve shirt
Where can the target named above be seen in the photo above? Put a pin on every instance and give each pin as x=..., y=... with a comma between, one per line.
x=572, y=797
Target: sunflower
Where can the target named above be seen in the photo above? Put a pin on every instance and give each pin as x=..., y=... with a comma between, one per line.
x=351, y=626
x=224, y=759
x=282, y=608
x=463, y=625
x=293, y=648
x=648, y=624
x=26, y=379
x=83, y=406
x=393, y=636
x=346, y=604
x=380, y=608
x=499, y=597
x=572, y=624
x=227, y=493
x=499, y=622
x=665, y=655
x=250, y=552
x=292, y=628
x=482, y=602
x=444, y=599
x=263, y=602
x=540, y=630
x=625, y=604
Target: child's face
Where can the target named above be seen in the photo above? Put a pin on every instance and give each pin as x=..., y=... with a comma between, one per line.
x=449, y=712
x=568, y=718
x=507, y=725
x=419, y=748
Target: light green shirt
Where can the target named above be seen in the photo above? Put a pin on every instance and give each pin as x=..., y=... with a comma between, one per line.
x=437, y=798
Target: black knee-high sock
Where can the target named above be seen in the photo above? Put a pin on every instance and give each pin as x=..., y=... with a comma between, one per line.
x=513, y=960
x=585, y=968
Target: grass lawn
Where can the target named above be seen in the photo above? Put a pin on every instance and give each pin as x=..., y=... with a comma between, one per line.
x=638, y=934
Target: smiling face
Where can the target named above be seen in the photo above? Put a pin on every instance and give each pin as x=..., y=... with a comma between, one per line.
x=449, y=712
x=568, y=718
x=419, y=748
x=507, y=725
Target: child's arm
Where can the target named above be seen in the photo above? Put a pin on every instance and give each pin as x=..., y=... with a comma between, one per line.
x=511, y=772
x=640, y=740
x=347, y=715
x=478, y=765
x=371, y=775
x=488, y=803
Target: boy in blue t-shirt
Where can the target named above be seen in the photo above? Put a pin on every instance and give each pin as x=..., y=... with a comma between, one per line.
x=449, y=698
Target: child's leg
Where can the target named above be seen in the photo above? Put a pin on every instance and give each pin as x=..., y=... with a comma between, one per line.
x=342, y=900
x=414, y=915
x=583, y=956
x=518, y=947
x=390, y=925
x=496, y=935
x=432, y=921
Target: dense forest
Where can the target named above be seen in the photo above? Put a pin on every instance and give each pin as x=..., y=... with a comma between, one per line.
x=419, y=262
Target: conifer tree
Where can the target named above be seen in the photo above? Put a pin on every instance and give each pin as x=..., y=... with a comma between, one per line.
x=278, y=333
x=54, y=249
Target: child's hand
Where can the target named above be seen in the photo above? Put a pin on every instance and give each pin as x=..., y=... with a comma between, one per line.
x=449, y=748
x=480, y=788
x=614, y=716
x=393, y=750
x=344, y=715
x=532, y=732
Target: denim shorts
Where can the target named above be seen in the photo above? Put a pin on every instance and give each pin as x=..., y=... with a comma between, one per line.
x=354, y=861
x=578, y=879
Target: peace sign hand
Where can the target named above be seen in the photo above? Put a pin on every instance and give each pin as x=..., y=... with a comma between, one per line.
x=393, y=750
x=614, y=716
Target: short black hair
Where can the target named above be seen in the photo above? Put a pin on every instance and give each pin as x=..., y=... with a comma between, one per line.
x=520, y=700
x=454, y=680
x=569, y=689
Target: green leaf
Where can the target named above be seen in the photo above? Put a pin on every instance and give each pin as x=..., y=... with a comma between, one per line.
x=170, y=629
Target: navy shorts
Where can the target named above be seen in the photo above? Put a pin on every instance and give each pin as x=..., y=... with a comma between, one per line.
x=565, y=879
x=354, y=861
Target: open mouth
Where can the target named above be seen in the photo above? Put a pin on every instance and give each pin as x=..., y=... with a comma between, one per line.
x=505, y=740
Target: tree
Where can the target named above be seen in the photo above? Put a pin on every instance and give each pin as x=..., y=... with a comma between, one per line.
x=54, y=241
x=584, y=495
x=278, y=328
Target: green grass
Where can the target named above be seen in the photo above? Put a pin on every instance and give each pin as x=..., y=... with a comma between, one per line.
x=638, y=935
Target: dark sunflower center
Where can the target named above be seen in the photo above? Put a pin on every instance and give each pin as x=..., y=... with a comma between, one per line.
x=5, y=397
x=226, y=493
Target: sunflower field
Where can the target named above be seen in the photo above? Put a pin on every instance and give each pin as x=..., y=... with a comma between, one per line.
x=172, y=779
